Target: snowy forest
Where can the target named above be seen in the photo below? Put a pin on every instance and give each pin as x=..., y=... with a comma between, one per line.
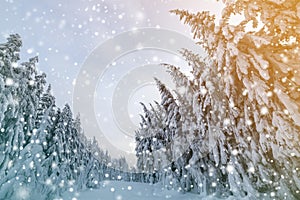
x=230, y=129
x=43, y=147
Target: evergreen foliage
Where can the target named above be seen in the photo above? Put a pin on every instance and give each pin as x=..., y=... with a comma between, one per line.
x=43, y=150
x=237, y=130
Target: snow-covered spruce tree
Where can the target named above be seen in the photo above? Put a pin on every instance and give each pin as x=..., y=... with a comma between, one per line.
x=188, y=167
x=240, y=111
x=147, y=142
x=154, y=140
x=21, y=87
x=73, y=160
x=203, y=158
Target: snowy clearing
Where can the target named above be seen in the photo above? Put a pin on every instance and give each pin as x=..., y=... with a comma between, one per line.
x=119, y=190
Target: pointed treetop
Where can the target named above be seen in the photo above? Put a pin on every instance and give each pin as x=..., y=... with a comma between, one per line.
x=48, y=91
x=162, y=88
x=67, y=107
x=34, y=60
x=67, y=111
x=179, y=78
x=15, y=39
x=167, y=98
x=12, y=47
x=195, y=61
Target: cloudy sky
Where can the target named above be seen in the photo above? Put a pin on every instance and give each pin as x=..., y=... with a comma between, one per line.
x=65, y=33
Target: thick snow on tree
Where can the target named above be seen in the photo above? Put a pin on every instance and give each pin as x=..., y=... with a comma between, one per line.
x=159, y=126
x=239, y=113
x=44, y=151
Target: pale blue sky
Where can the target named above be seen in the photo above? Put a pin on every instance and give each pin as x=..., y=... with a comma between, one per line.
x=63, y=33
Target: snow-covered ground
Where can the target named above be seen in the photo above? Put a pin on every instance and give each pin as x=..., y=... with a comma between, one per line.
x=118, y=190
